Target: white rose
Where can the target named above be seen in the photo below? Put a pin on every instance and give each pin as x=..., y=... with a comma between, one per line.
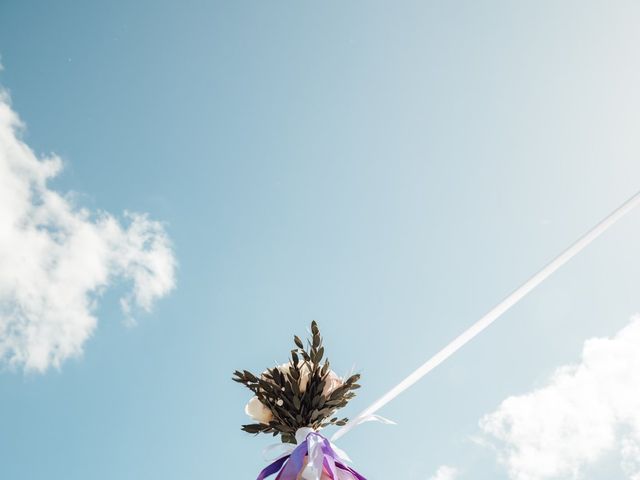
x=258, y=411
x=332, y=382
x=305, y=373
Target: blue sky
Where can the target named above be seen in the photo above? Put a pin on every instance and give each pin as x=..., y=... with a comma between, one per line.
x=390, y=170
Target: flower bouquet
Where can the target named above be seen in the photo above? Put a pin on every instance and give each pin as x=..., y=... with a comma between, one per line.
x=296, y=400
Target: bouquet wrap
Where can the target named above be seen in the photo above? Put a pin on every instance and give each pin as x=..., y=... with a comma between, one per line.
x=314, y=457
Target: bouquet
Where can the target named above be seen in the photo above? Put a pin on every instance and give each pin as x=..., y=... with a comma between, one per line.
x=296, y=400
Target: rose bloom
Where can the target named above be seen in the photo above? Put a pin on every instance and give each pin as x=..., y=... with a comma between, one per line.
x=332, y=380
x=258, y=411
x=262, y=414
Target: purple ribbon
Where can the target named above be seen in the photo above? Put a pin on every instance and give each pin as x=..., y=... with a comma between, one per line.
x=291, y=465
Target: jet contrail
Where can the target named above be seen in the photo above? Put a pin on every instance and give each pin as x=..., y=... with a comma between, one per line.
x=493, y=314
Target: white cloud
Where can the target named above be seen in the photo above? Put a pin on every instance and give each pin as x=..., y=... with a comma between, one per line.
x=446, y=472
x=56, y=259
x=586, y=411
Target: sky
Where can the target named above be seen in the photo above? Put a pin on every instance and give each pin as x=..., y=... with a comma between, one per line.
x=185, y=185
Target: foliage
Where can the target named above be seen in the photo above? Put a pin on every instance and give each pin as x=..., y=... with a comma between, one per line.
x=293, y=407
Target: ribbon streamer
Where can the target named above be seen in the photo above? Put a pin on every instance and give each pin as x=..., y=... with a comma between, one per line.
x=314, y=458
x=494, y=313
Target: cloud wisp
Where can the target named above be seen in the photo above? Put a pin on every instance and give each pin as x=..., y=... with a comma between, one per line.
x=56, y=258
x=585, y=412
x=445, y=472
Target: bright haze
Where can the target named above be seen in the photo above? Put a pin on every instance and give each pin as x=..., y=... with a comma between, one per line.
x=185, y=185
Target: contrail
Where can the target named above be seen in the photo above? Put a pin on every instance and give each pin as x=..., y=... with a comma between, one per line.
x=493, y=314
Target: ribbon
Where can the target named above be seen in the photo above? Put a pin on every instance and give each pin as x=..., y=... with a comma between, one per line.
x=493, y=314
x=322, y=458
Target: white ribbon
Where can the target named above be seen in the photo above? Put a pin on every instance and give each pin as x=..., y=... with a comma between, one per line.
x=360, y=419
x=316, y=457
x=276, y=451
x=494, y=313
x=315, y=454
